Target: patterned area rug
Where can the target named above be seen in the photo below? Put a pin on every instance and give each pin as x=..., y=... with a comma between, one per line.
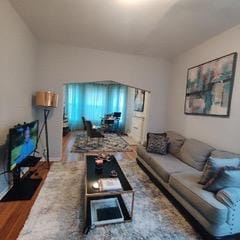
x=57, y=213
x=110, y=143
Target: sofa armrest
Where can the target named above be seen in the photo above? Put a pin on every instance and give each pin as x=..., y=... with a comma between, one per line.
x=230, y=197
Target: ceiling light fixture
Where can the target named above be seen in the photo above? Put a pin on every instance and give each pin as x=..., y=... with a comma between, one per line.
x=133, y=1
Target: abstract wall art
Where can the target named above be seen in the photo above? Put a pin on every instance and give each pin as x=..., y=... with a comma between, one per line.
x=209, y=87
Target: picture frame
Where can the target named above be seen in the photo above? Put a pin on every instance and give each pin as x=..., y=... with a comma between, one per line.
x=209, y=87
x=139, y=100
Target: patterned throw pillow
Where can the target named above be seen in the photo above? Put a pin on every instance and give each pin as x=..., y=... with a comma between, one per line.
x=157, y=144
x=226, y=177
x=213, y=165
x=156, y=134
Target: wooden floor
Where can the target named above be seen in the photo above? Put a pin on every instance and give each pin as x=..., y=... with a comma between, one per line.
x=14, y=214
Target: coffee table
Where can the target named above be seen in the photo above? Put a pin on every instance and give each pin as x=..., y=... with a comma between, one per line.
x=93, y=176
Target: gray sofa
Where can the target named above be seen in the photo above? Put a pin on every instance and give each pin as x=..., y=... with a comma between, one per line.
x=179, y=173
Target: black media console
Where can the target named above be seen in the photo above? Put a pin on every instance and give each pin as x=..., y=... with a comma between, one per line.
x=25, y=187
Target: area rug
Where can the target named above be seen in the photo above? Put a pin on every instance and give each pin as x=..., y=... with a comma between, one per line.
x=130, y=140
x=57, y=213
x=111, y=143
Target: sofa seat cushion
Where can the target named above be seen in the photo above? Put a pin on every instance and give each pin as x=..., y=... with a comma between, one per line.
x=163, y=165
x=186, y=184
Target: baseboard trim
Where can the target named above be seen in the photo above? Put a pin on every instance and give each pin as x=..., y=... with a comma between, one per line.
x=52, y=159
x=55, y=159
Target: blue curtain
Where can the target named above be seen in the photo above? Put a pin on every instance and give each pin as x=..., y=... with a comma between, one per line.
x=93, y=101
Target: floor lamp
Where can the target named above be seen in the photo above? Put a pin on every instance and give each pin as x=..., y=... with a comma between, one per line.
x=46, y=100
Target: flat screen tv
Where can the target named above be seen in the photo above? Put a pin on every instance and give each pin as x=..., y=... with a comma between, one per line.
x=22, y=143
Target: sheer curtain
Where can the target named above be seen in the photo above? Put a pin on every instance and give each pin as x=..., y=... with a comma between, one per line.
x=117, y=101
x=93, y=101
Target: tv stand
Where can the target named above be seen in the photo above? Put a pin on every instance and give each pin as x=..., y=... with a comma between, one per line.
x=23, y=190
x=25, y=187
x=30, y=161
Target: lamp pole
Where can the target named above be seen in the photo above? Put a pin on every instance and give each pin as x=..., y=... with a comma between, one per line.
x=46, y=100
x=46, y=113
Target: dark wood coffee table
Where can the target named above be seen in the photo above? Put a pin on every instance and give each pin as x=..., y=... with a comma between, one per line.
x=93, y=176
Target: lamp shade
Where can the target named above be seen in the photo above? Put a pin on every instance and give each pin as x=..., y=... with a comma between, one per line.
x=46, y=99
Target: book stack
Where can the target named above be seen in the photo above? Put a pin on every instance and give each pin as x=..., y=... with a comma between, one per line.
x=109, y=184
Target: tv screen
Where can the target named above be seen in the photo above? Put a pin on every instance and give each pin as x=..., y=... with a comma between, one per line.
x=22, y=142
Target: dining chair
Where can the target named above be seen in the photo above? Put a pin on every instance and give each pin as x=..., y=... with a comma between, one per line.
x=93, y=133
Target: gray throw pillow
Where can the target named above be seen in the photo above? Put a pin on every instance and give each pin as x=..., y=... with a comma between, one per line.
x=157, y=144
x=213, y=165
x=226, y=177
x=175, y=142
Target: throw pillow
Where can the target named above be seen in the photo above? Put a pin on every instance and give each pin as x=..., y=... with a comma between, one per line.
x=226, y=177
x=213, y=165
x=156, y=134
x=157, y=144
x=175, y=142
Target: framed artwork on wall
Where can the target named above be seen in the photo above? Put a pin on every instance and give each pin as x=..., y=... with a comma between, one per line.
x=209, y=87
x=139, y=100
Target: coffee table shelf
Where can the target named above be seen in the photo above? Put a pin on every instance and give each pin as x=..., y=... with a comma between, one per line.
x=123, y=207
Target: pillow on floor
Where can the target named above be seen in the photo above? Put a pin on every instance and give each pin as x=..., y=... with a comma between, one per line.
x=157, y=144
x=213, y=165
x=226, y=177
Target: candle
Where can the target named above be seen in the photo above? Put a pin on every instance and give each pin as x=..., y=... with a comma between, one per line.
x=96, y=185
x=99, y=162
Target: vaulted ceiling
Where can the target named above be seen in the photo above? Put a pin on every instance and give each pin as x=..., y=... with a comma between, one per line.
x=158, y=28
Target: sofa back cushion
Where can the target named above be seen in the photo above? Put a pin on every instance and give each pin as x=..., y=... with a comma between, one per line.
x=224, y=154
x=195, y=153
x=175, y=142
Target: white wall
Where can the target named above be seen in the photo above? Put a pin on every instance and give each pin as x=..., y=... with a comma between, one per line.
x=222, y=133
x=59, y=64
x=17, y=74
